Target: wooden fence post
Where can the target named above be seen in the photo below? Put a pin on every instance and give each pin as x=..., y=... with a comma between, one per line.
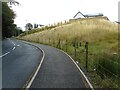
x=74, y=45
x=80, y=44
x=66, y=45
x=86, y=47
x=75, y=51
x=58, y=45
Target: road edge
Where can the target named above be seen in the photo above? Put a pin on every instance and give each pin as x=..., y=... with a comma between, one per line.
x=85, y=77
x=31, y=78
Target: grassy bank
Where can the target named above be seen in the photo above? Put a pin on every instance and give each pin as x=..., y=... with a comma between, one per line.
x=102, y=37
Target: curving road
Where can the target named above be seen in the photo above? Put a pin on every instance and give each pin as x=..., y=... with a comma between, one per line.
x=18, y=62
x=57, y=71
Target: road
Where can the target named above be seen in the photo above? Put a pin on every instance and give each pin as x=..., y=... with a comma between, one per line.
x=57, y=71
x=18, y=62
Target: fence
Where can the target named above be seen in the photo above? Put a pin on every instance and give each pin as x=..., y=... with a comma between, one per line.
x=102, y=68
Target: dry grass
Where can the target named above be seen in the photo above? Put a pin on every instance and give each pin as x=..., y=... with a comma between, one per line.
x=101, y=34
x=91, y=30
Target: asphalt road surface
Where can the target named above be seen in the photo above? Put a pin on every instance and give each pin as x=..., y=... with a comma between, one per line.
x=18, y=62
x=57, y=71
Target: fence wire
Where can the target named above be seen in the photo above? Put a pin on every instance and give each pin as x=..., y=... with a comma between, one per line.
x=101, y=76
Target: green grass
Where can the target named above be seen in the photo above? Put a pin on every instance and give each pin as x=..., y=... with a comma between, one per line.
x=102, y=37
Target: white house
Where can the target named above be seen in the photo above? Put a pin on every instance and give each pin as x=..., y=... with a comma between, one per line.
x=81, y=15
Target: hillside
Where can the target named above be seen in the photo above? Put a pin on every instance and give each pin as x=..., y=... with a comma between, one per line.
x=95, y=30
x=102, y=37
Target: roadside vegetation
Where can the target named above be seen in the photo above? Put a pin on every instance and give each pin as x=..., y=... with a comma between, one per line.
x=101, y=36
x=35, y=30
x=9, y=29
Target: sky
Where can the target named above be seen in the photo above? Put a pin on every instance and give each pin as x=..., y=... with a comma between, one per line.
x=52, y=11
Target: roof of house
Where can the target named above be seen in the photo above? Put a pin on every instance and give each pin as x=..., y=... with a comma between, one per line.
x=81, y=15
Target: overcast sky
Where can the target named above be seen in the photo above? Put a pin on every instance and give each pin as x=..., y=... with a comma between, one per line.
x=50, y=11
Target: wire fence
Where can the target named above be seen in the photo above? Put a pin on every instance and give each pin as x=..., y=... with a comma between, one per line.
x=103, y=69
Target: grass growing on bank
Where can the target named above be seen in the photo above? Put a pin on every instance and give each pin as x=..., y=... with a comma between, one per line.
x=102, y=36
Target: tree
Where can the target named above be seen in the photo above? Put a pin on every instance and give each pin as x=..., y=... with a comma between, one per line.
x=29, y=26
x=7, y=20
x=16, y=30
x=8, y=16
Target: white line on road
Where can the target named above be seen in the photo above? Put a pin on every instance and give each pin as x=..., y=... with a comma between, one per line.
x=4, y=54
x=14, y=48
x=12, y=42
x=18, y=45
x=90, y=85
x=38, y=68
x=31, y=81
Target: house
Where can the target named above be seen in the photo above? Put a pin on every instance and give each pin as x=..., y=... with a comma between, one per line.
x=81, y=15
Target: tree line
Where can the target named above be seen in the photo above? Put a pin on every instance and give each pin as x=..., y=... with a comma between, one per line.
x=30, y=26
x=9, y=29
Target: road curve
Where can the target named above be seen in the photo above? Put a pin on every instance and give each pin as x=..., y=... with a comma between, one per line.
x=57, y=71
x=19, y=64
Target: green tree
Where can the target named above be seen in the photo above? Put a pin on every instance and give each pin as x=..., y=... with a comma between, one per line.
x=29, y=26
x=16, y=30
x=7, y=20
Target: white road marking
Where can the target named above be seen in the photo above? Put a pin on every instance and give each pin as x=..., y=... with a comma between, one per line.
x=90, y=85
x=13, y=44
x=32, y=79
x=18, y=45
x=38, y=68
x=14, y=48
x=4, y=54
